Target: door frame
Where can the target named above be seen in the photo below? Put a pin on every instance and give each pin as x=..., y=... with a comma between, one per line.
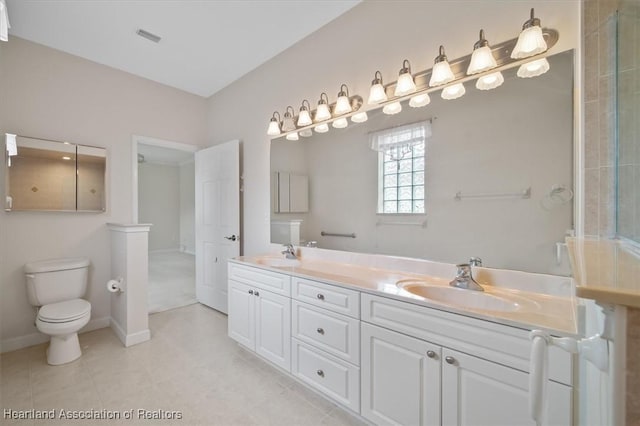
x=145, y=140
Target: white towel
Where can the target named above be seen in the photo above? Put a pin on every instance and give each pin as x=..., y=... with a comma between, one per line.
x=4, y=22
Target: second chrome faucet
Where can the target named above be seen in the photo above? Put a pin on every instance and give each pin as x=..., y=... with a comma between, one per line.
x=464, y=277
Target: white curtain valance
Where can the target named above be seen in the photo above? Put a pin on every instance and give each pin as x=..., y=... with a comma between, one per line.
x=403, y=137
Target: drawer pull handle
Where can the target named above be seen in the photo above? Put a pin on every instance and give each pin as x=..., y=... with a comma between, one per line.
x=431, y=354
x=450, y=359
x=320, y=330
x=257, y=294
x=320, y=296
x=320, y=373
x=250, y=291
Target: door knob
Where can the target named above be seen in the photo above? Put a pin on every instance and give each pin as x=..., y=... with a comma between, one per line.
x=232, y=238
x=431, y=354
x=250, y=291
x=320, y=373
x=320, y=296
x=257, y=293
x=320, y=330
x=450, y=359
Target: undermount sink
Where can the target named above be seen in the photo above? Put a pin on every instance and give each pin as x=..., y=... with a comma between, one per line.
x=452, y=296
x=277, y=261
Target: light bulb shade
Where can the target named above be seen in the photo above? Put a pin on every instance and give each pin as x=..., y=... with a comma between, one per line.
x=441, y=74
x=306, y=133
x=288, y=124
x=533, y=68
x=405, y=84
x=343, y=105
x=481, y=60
x=293, y=136
x=393, y=108
x=490, y=81
x=322, y=112
x=304, y=118
x=453, y=92
x=340, y=123
x=360, y=117
x=274, y=127
x=321, y=128
x=377, y=94
x=530, y=42
x=11, y=144
x=419, y=101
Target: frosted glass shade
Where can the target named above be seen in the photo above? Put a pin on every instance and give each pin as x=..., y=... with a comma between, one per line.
x=287, y=123
x=392, y=108
x=481, y=60
x=377, y=94
x=530, y=42
x=453, y=92
x=306, y=133
x=441, y=74
x=360, y=117
x=11, y=144
x=293, y=136
x=340, y=123
x=343, y=106
x=405, y=85
x=490, y=81
x=420, y=100
x=533, y=68
x=322, y=113
x=321, y=128
x=304, y=118
x=274, y=128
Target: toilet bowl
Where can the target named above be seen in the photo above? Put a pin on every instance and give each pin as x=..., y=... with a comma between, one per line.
x=62, y=321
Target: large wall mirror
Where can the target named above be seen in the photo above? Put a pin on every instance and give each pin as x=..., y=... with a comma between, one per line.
x=494, y=179
x=54, y=176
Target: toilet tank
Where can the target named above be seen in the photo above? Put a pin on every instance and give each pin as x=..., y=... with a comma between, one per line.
x=56, y=280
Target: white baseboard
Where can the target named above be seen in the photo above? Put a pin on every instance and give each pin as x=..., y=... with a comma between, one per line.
x=20, y=342
x=168, y=250
x=130, y=339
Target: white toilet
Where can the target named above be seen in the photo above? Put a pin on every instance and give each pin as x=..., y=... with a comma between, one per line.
x=56, y=286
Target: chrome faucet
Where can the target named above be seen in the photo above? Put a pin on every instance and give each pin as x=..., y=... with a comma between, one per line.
x=289, y=252
x=464, y=279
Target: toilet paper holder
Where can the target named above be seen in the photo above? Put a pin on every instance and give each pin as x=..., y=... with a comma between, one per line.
x=115, y=285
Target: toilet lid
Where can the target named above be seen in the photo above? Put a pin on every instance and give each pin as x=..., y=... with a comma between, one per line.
x=66, y=311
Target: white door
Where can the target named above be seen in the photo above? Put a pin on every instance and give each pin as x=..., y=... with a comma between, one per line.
x=273, y=328
x=242, y=319
x=400, y=378
x=217, y=220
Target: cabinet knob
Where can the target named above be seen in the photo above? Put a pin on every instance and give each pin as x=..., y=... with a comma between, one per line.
x=257, y=294
x=320, y=330
x=250, y=291
x=431, y=354
x=320, y=296
x=320, y=373
x=450, y=359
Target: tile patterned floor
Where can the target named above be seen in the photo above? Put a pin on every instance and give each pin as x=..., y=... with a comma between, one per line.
x=172, y=280
x=190, y=365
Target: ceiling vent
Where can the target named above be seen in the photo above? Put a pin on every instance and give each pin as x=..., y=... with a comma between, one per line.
x=149, y=36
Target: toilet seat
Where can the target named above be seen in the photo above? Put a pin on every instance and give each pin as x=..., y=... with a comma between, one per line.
x=62, y=312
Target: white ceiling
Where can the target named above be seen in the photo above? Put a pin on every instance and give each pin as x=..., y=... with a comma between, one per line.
x=205, y=46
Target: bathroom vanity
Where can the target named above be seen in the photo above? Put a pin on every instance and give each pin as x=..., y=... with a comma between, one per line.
x=357, y=335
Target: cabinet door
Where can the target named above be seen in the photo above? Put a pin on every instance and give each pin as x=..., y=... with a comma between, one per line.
x=400, y=378
x=478, y=392
x=273, y=328
x=242, y=321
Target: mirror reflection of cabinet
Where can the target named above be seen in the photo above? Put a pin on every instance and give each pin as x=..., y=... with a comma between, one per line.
x=290, y=193
x=54, y=176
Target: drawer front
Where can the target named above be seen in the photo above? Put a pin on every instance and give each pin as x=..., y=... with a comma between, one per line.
x=266, y=280
x=334, y=333
x=332, y=376
x=498, y=343
x=334, y=298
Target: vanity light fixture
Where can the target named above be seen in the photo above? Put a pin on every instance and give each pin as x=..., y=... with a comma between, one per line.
x=343, y=104
x=306, y=133
x=377, y=94
x=419, y=101
x=321, y=128
x=530, y=41
x=274, y=125
x=304, y=118
x=287, y=123
x=392, y=108
x=490, y=81
x=533, y=68
x=441, y=72
x=293, y=136
x=360, y=117
x=453, y=92
x=405, y=84
x=340, y=123
x=322, y=112
x=482, y=58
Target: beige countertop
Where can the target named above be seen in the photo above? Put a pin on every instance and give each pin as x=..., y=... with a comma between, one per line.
x=535, y=310
x=606, y=270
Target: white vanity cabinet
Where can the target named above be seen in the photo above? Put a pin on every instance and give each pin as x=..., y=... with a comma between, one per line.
x=259, y=318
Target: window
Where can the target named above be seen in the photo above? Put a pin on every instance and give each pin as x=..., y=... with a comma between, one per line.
x=401, y=162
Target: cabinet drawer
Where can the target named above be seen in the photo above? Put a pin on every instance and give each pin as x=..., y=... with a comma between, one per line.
x=266, y=280
x=498, y=343
x=332, y=376
x=337, y=334
x=334, y=298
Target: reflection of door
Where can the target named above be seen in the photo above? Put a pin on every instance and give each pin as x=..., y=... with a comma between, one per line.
x=217, y=220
